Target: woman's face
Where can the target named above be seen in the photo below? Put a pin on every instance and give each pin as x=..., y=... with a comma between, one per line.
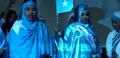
x=116, y=24
x=30, y=12
x=84, y=17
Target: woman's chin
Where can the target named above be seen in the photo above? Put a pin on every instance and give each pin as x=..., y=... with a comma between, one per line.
x=32, y=19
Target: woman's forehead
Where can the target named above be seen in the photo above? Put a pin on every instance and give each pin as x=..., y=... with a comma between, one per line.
x=31, y=6
x=30, y=3
x=84, y=11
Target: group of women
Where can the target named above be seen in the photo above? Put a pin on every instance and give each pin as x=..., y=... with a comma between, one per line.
x=26, y=36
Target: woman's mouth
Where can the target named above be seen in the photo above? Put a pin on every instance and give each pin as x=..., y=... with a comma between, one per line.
x=31, y=17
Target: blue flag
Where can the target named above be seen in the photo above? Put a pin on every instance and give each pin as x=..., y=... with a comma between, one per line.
x=63, y=6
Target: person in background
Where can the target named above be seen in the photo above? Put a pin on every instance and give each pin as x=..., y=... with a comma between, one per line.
x=113, y=39
x=56, y=41
x=2, y=20
x=2, y=43
x=10, y=19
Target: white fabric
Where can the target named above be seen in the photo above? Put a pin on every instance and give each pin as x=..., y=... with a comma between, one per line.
x=118, y=49
x=16, y=26
x=117, y=14
x=109, y=44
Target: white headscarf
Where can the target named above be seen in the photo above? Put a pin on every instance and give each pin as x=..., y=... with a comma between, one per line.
x=116, y=16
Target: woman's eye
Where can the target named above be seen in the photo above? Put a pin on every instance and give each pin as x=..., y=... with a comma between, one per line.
x=87, y=14
x=34, y=9
x=82, y=14
x=27, y=9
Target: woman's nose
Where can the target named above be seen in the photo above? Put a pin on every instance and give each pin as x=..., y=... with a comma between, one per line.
x=31, y=12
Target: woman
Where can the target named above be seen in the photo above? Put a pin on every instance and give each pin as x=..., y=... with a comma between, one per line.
x=83, y=16
x=79, y=38
x=113, y=39
x=28, y=36
x=10, y=19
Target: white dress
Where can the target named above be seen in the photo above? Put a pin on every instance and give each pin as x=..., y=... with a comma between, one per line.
x=109, y=44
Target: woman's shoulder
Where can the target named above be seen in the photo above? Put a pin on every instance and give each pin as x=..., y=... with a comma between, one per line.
x=111, y=35
x=1, y=32
x=42, y=22
x=0, y=29
x=16, y=23
x=16, y=26
x=75, y=27
x=72, y=25
x=112, y=32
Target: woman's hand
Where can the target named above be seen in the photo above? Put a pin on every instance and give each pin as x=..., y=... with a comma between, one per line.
x=2, y=51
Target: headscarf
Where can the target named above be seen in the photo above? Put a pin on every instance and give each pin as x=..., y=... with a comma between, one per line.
x=78, y=11
x=71, y=18
x=116, y=16
x=23, y=17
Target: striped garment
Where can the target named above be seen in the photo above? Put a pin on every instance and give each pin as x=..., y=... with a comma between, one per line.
x=115, y=42
x=111, y=46
x=78, y=43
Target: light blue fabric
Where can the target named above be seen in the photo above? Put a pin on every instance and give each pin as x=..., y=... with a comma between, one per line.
x=78, y=42
x=89, y=26
x=81, y=8
x=2, y=39
x=79, y=38
x=57, y=47
x=28, y=39
x=116, y=16
x=3, y=43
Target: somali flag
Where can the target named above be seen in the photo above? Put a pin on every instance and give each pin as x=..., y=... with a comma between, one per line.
x=63, y=6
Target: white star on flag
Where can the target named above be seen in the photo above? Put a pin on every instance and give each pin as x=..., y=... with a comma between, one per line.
x=63, y=6
x=65, y=3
